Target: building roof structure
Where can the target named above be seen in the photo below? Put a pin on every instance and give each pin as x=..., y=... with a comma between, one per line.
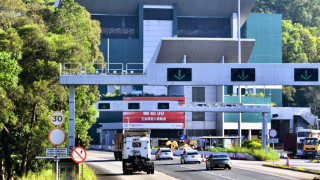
x=207, y=8
x=204, y=50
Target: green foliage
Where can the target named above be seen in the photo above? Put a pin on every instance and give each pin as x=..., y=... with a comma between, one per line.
x=304, y=12
x=9, y=70
x=116, y=92
x=252, y=144
x=34, y=39
x=260, y=95
x=258, y=154
x=88, y=174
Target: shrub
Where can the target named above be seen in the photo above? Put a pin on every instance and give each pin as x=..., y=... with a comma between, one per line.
x=258, y=154
x=88, y=174
x=299, y=169
x=252, y=144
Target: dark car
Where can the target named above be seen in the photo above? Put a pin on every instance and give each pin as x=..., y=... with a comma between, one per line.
x=220, y=160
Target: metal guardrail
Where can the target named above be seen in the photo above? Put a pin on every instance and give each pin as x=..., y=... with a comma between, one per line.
x=93, y=68
x=99, y=69
x=114, y=68
x=133, y=68
x=222, y=104
x=71, y=69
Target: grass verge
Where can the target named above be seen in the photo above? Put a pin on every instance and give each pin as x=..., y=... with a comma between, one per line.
x=88, y=174
x=300, y=169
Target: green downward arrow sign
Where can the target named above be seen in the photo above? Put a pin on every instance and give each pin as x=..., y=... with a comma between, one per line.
x=179, y=77
x=305, y=76
x=243, y=77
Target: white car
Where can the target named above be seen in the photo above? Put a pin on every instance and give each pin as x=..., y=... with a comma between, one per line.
x=190, y=156
x=164, y=153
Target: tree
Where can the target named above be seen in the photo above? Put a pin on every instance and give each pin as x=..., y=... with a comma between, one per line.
x=34, y=39
x=304, y=12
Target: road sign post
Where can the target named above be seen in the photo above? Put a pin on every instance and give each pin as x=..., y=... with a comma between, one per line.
x=57, y=118
x=57, y=136
x=78, y=154
x=273, y=133
x=182, y=137
x=59, y=152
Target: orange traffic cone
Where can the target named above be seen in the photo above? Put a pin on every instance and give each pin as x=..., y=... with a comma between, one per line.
x=287, y=163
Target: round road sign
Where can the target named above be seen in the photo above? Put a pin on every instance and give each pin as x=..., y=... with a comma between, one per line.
x=78, y=154
x=57, y=136
x=273, y=133
x=57, y=118
x=182, y=137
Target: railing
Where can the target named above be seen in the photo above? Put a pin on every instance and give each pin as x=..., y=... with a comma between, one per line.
x=71, y=69
x=93, y=68
x=134, y=68
x=114, y=68
x=223, y=104
x=100, y=69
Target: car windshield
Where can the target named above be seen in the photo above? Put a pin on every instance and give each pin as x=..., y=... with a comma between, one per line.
x=165, y=150
x=192, y=153
x=310, y=141
x=220, y=156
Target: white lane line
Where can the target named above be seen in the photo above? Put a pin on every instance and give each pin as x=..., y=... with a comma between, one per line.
x=209, y=172
x=111, y=171
x=264, y=173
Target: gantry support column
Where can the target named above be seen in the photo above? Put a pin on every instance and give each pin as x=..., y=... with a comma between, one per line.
x=265, y=131
x=72, y=95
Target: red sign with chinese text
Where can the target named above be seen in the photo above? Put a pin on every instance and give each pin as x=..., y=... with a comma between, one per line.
x=154, y=120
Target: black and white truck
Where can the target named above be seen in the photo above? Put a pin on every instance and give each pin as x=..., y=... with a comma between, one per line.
x=136, y=151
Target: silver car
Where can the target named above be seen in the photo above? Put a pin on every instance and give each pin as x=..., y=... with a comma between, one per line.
x=190, y=156
x=164, y=153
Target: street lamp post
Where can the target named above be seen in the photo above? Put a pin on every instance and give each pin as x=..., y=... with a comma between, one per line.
x=239, y=62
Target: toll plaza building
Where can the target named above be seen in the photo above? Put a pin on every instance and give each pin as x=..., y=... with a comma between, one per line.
x=138, y=32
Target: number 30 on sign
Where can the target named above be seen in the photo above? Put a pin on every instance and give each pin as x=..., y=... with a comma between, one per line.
x=57, y=118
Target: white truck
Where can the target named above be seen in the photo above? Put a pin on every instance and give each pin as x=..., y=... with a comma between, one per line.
x=137, y=151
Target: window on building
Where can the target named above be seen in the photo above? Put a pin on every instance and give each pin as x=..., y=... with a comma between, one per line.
x=204, y=27
x=198, y=116
x=158, y=14
x=303, y=134
x=118, y=27
x=198, y=94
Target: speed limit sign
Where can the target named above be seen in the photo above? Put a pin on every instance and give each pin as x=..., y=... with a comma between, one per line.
x=57, y=118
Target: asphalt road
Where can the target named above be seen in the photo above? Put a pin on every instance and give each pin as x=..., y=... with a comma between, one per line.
x=108, y=168
x=198, y=171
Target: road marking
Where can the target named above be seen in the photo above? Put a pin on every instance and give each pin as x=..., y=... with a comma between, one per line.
x=208, y=172
x=264, y=173
x=112, y=171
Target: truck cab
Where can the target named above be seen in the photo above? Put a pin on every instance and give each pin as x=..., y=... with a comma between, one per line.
x=137, y=147
x=137, y=151
x=311, y=147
